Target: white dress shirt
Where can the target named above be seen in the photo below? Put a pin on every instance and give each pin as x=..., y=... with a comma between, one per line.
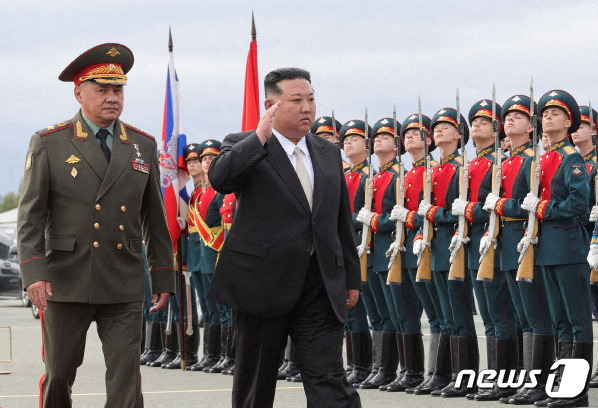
x=289, y=148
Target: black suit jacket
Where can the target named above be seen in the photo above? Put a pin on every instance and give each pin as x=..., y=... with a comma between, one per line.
x=264, y=260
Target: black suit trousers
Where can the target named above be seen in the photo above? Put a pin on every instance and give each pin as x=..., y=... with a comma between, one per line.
x=318, y=335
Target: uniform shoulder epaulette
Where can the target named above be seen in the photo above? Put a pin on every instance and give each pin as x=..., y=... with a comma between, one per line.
x=569, y=149
x=459, y=159
x=138, y=130
x=529, y=152
x=433, y=163
x=55, y=128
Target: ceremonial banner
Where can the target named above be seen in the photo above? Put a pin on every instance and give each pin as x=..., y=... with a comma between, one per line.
x=173, y=172
x=251, y=98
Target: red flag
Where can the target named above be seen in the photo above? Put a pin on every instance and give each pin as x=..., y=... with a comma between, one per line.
x=251, y=98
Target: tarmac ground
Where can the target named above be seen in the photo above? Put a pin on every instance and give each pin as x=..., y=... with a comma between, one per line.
x=19, y=388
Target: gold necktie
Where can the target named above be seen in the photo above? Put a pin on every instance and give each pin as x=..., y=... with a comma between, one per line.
x=303, y=176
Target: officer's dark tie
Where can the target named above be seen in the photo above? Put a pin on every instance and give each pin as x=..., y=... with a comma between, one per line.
x=102, y=135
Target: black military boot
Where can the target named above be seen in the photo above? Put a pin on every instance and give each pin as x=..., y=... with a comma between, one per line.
x=213, y=348
x=293, y=369
x=361, y=344
x=432, y=352
x=171, y=348
x=191, y=345
x=506, y=359
x=349, y=352
x=229, y=360
x=199, y=365
x=376, y=356
x=584, y=351
x=153, y=342
x=564, y=349
x=389, y=361
x=402, y=365
x=467, y=359
x=442, y=375
x=413, y=350
x=526, y=351
x=217, y=368
x=454, y=356
x=490, y=363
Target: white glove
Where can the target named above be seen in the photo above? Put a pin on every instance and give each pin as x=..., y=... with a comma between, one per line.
x=490, y=202
x=393, y=247
x=458, y=207
x=418, y=247
x=182, y=222
x=594, y=214
x=399, y=213
x=456, y=243
x=485, y=243
x=365, y=216
x=530, y=202
x=361, y=249
x=524, y=244
x=423, y=208
x=593, y=256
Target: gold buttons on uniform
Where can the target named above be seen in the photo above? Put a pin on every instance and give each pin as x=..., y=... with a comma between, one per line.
x=119, y=246
x=123, y=208
x=98, y=206
x=96, y=225
x=121, y=227
x=96, y=244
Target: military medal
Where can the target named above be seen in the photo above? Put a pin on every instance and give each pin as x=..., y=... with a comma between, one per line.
x=74, y=172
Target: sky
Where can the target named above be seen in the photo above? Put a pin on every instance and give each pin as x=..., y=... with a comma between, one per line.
x=360, y=53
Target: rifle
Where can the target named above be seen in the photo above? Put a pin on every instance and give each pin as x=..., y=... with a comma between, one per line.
x=486, y=270
x=395, y=270
x=525, y=271
x=366, y=234
x=424, y=266
x=457, y=269
x=594, y=272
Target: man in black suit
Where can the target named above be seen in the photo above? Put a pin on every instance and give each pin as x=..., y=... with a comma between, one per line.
x=289, y=265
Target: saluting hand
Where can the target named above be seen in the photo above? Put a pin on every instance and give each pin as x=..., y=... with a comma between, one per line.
x=264, y=127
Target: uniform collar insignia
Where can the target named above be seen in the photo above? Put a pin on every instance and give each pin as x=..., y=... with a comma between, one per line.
x=387, y=165
x=358, y=167
x=520, y=149
x=80, y=134
x=557, y=145
x=448, y=158
x=123, y=133
x=484, y=152
x=588, y=156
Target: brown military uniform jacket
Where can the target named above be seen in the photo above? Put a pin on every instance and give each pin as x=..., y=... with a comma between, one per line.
x=82, y=221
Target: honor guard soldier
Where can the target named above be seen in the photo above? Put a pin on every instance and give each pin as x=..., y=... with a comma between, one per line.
x=445, y=189
x=206, y=233
x=562, y=238
x=91, y=196
x=494, y=301
x=528, y=297
x=413, y=184
x=227, y=212
x=324, y=126
x=359, y=348
x=378, y=219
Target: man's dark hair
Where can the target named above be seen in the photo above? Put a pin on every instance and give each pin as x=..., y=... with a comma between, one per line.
x=274, y=77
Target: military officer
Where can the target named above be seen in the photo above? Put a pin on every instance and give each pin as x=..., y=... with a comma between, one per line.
x=494, y=301
x=352, y=135
x=562, y=207
x=455, y=295
x=413, y=184
x=91, y=195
